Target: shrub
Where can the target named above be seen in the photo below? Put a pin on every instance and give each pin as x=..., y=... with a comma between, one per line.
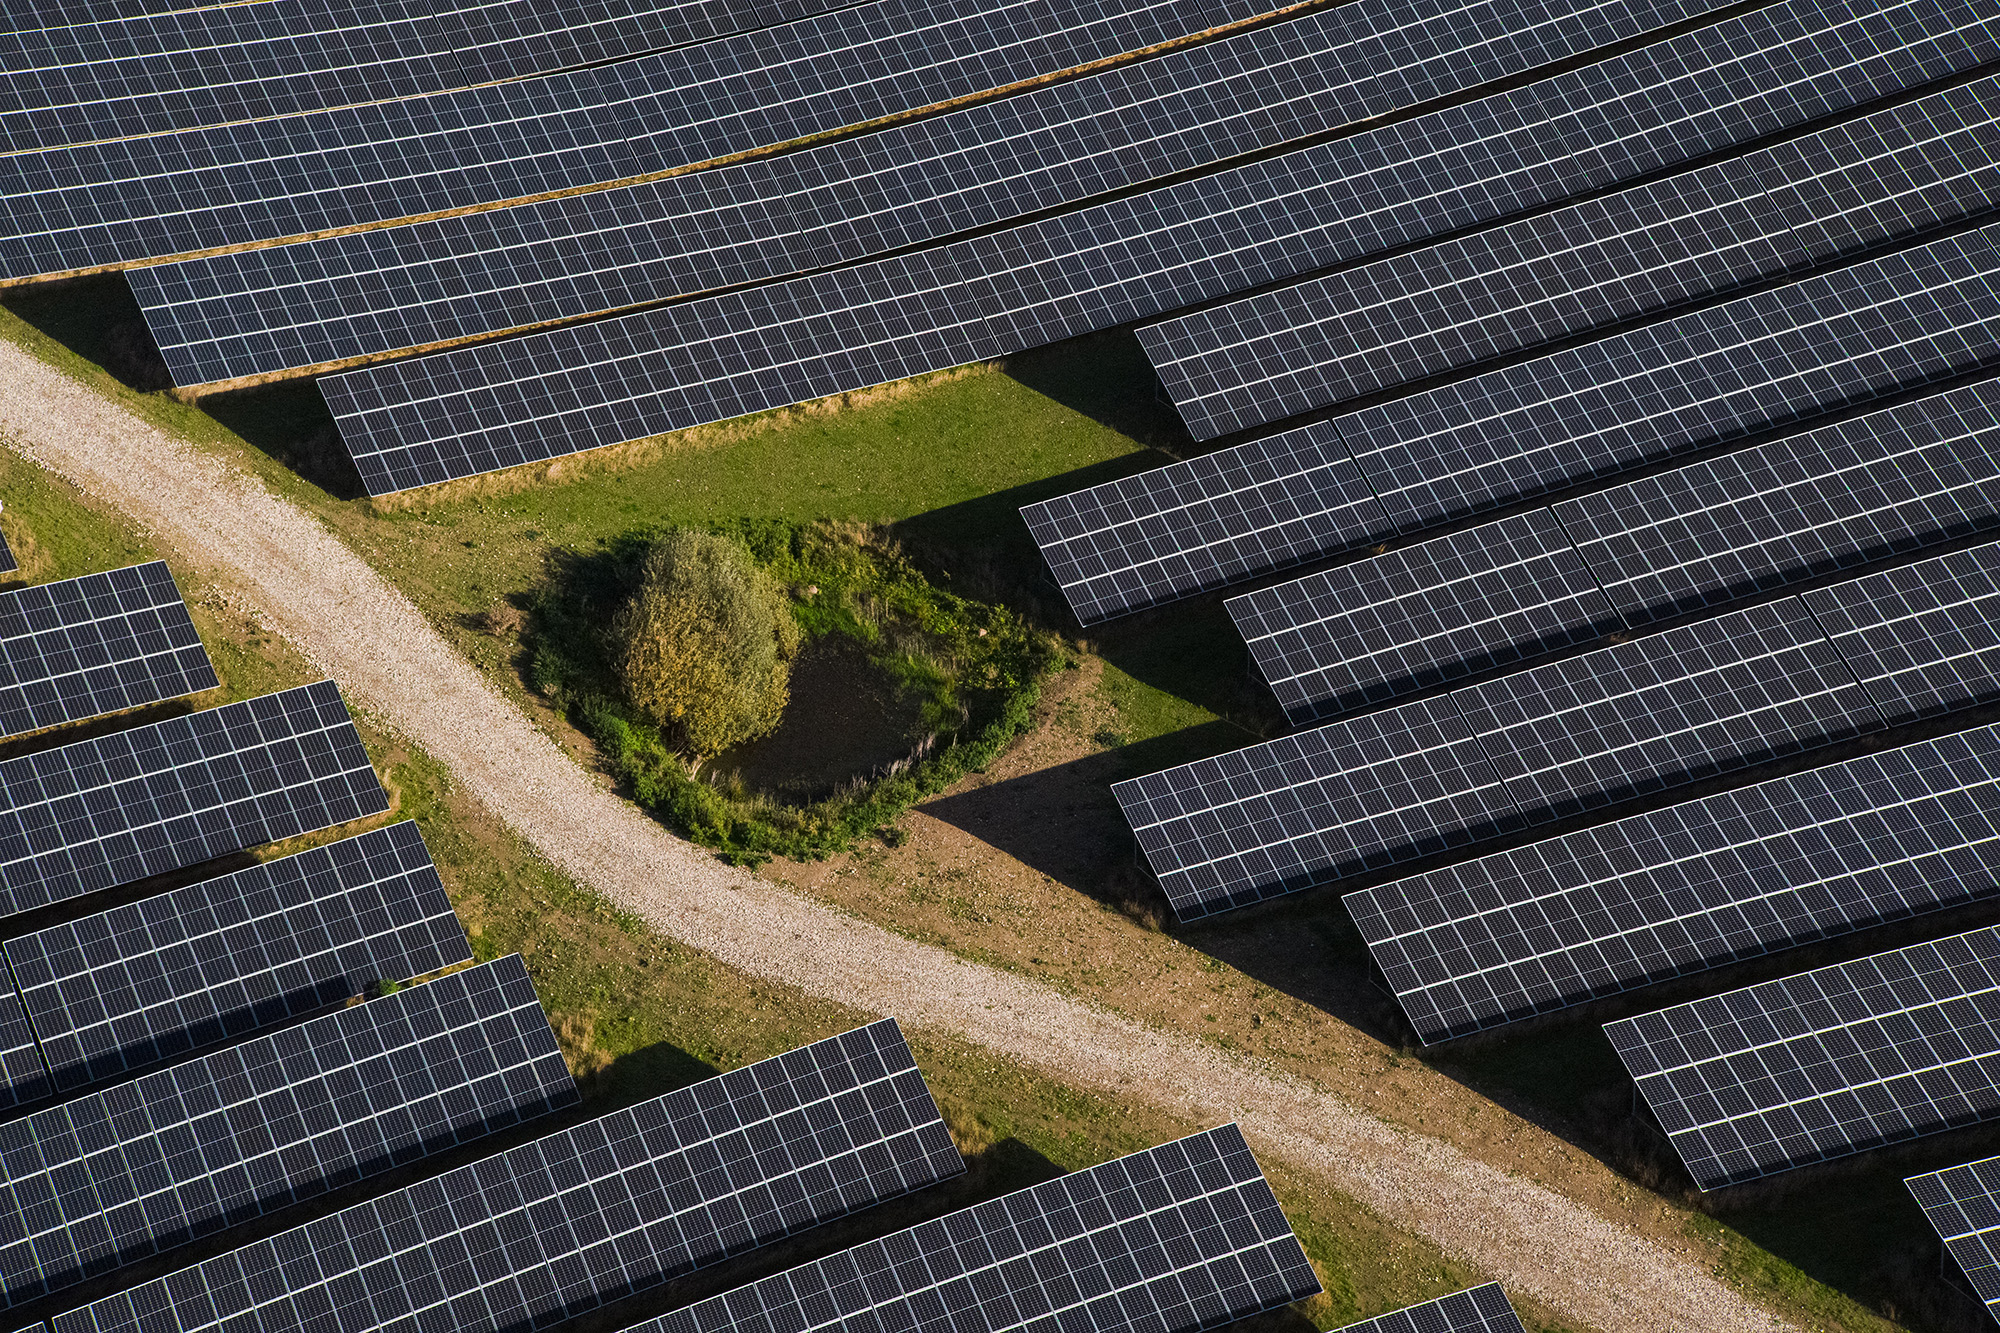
x=704, y=647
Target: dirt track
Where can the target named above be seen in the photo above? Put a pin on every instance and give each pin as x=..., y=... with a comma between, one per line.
x=311, y=588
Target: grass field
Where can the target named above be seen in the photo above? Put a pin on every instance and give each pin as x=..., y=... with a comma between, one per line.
x=944, y=464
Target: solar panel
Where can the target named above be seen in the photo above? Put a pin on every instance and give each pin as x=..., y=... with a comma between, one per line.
x=1963, y=1205
x=106, y=1179
x=1306, y=809
x=218, y=960
x=1118, y=547
x=23, y=1076
x=1689, y=887
x=1173, y=1239
x=473, y=410
x=1759, y=518
x=1823, y=1064
x=147, y=800
x=1444, y=609
x=1924, y=638
x=7, y=562
x=1666, y=243
x=1754, y=363
x=568, y=1222
x=1479, y=1310
x=126, y=200
x=254, y=312
x=1666, y=709
x=88, y=646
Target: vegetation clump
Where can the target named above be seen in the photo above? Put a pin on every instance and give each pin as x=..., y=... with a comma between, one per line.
x=620, y=652
x=704, y=647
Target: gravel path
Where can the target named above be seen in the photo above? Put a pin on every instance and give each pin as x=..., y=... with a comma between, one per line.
x=310, y=587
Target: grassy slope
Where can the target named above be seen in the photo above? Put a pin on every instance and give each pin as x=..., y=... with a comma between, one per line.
x=926, y=457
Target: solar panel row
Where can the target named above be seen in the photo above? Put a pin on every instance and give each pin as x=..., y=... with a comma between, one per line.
x=1479, y=1310
x=498, y=404
x=576, y=1219
x=107, y=811
x=182, y=69
x=8, y=564
x=1826, y=1063
x=1444, y=609
x=259, y=311
x=84, y=647
x=1689, y=887
x=1749, y=365
x=1174, y=1239
x=215, y=961
x=133, y=199
x=1963, y=1204
x=104, y=1180
x=1668, y=243
x=1570, y=735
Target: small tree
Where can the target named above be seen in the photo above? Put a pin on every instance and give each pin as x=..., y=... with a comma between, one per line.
x=704, y=647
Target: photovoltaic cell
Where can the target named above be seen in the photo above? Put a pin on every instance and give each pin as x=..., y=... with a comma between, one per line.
x=1824, y=1064
x=133, y=199
x=221, y=959
x=23, y=1076
x=1381, y=628
x=1690, y=237
x=1963, y=1204
x=1174, y=1239
x=1690, y=887
x=1924, y=638
x=1479, y=1310
x=84, y=647
x=252, y=312
x=539, y=1233
x=1758, y=518
x=140, y=802
x=498, y=404
x=1666, y=709
x=106, y=1179
x=1279, y=817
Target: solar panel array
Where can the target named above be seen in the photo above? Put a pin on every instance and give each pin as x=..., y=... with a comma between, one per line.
x=103, y=1180
x=84, y=647
x=1689, y=887
x=568, y=1222
x=1479, y=1310
x=1174, y=1239
x=107, y=811
x=1963, y=1205
x=23, y=1076
x=258, y=311
x=494, y=405
x=1823, y=1064
x=1924, y=638
x=133, y=199
x=1902, y=171
x=219, y=960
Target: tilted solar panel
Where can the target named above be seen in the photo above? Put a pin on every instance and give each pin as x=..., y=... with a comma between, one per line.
x=1924, y=638
x=1963, y=1204
x=1752, y=364
x=105, y=1179
x=1302, y=810
x=1173, y=1239
x=134, y=199
x=1891, y=481
x=539, y=1233
x=87, y=646
x=140, y=802
x=1691, y=237
x=8, y=564
x=257, y=311
x=1666, y=709
x=1479, y=1310
x=499, y=404
x=1824, y=1064
x=1380, y=628
x=1689, y=887
x=24, y=1077
x=155, y=979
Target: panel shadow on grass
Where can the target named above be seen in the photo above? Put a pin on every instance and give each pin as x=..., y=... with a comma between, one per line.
x=1106, y=377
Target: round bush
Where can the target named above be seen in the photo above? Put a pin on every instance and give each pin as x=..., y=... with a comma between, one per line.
x=704, y=647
